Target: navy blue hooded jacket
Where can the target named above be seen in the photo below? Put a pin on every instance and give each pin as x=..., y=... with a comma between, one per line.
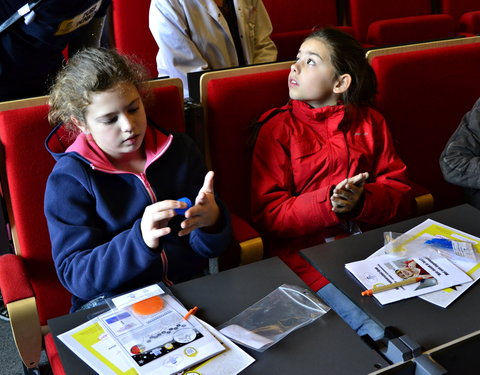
x=94, y=212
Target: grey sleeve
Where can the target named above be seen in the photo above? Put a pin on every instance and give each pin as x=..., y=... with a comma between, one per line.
x=460, y=160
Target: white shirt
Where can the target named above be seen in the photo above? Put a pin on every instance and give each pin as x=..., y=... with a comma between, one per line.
x=193, y=35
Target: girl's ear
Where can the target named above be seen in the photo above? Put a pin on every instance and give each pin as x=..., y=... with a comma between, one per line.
x=79, y=124
x=342, y=84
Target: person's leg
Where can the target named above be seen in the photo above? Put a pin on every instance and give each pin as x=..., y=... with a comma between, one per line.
x=3, y=310
x=350, y=312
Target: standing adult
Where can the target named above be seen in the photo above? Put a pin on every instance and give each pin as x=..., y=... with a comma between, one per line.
x=197, y=35
x=31, y=48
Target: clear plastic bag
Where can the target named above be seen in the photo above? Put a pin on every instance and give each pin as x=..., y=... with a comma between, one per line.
x=454, y=250
x=266, y=322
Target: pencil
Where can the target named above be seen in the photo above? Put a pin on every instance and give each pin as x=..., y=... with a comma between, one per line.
x=190, y=312
x=382, y=288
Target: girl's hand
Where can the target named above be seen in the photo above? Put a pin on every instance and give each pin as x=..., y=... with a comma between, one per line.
x=155, y=220
x=347, y=193
x=205, y=212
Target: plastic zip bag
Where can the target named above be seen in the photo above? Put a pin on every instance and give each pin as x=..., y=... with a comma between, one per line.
x=266, y=322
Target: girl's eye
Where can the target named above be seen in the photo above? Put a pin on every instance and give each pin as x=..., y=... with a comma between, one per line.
x=133, y=110
x=310, y=62
x=110, y=120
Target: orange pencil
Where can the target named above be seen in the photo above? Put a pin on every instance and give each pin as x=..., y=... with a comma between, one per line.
x=382, y=288
x=190, y=312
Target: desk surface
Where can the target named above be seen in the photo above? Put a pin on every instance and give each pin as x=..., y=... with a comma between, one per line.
x=427, y=324
x=328, y=343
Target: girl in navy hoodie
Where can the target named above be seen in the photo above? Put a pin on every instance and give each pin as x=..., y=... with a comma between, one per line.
x=111, y=201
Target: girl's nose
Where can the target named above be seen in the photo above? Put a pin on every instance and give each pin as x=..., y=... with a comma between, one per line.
x=294, y=67
x=127, y=124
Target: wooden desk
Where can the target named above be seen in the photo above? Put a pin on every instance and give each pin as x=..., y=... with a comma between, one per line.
x=427, y=324
x=327, y=344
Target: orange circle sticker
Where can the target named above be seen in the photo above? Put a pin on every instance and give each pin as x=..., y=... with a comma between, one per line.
x=148, y=306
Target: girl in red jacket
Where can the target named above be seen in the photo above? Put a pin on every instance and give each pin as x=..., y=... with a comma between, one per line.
x=324, y=164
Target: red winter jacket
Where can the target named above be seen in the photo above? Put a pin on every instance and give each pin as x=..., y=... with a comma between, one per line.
x=300, y=154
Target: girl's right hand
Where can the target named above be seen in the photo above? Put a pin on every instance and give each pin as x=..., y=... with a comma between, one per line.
x=154, y=224
x=347, y=193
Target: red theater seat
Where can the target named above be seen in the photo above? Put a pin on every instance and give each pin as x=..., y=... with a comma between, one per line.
x=423, y=95
x=466, y=14
x=131, y=34
x=293, y=21
x=389, y=22
x=232, y=100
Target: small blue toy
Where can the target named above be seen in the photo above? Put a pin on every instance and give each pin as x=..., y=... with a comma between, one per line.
x=181, y=211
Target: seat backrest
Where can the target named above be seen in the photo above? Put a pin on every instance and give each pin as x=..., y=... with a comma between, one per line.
x=361, y=13
x=165, y=106
x=131, y=34
x=232, y=101
x=457, y=8
x=293, y=21
x=371, y=54
x=25, y=167
x=423, y=95
x=287, y=15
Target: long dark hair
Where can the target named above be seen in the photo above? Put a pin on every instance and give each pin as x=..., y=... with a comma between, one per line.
x=348, y=57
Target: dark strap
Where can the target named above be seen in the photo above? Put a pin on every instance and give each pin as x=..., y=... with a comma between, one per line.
x=27, y=8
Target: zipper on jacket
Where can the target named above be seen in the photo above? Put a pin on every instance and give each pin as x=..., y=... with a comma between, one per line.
x=141, y=176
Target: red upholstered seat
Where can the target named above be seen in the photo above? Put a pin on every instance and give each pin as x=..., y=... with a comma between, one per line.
x=293, y=21
x=466, y=14
x=53, y=356
x=380, y=22
x=423, y=96
x=26, y=166
x=131, y=34
x=232, y=101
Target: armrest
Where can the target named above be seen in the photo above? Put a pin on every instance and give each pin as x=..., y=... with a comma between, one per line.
x=251, y=245
x=423, y=199
x=410, y=29
x=22, y=309
x=14, y=282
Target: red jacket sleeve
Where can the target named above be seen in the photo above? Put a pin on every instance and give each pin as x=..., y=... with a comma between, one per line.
x=387, y=194
x=275, y=207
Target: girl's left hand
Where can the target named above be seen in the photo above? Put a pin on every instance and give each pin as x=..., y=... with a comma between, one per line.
x=347, y=193
x=205, y=212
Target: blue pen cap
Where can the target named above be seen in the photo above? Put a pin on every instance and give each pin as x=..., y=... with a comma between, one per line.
x=181, y=211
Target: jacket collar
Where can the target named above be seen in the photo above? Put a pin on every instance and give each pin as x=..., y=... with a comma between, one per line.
x=59, y=144
x=334, y=114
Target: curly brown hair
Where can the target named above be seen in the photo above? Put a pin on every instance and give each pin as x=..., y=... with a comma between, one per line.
x=88, y=71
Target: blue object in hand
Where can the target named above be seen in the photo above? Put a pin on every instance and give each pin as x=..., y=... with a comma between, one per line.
x=181, y=211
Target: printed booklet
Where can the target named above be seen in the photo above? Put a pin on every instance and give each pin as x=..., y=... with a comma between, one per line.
x=430, y=271
x=146, y=332
x=419, y=239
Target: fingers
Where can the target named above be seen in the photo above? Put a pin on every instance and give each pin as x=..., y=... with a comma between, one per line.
x=205, y=213
x=208, y=183
x=347, y=193
x=155, y=219
x=166, y=205
x=207, y=188
x=359, y=179
x=341, y=185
